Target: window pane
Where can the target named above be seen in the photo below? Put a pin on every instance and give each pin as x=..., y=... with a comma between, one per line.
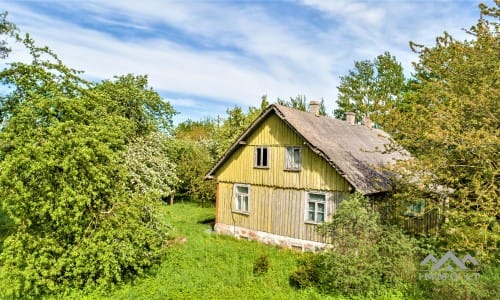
x=258, y=155
x=321, y=217
x=296, y=158
x=316, y=197
x=245, y=203
x=264, y=157
x=292, y=159
x=288, y=158
x=238, y=202
x=321, y=207
x=310, y=216
x=242, y=189
x=312, y=206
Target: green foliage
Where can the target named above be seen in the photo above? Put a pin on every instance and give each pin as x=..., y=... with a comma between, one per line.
x=484, y=286
x=63, y=185
x=364, y=255
x=230, y=129
x=7, y=29
x=307, y=273
x=208, y=266
x=451, y=127
x=64, y=173
x=45, y=76
x=193, y=162
x=195, y=130
x=130, y=96
x=261, y=265
x=371, y=89
x=300, y=103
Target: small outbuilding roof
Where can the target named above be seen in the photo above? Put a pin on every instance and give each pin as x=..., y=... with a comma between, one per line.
x=356, y=152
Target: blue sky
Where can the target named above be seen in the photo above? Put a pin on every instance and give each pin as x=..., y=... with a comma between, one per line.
x=207, y=56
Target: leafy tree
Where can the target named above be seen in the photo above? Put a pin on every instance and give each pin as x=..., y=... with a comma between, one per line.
x=452, y=129
x=195, y=130
x=64, y=178
x=300, y=103
x=63, y=185
x=131, y=97
x=46, y=75
x=7, y=29
x=231, y=128
x=371, y=89
x=193, y=162
x=151, y=173
x=199, y=143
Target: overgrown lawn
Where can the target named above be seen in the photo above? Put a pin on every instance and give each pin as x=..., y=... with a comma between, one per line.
x=209, y=266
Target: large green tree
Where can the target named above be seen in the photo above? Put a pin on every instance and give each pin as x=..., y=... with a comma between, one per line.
x=452, y=128
x=131, y=97
x=371, y=89
x=67, y=181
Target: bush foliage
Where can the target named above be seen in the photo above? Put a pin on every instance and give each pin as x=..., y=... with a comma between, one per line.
x=364, y=254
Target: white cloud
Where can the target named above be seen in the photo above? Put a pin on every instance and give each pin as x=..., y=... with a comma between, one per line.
x=184, y=102
x=359, y=12
x=236, y=53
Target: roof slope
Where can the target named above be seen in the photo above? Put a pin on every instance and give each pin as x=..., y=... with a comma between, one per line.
x=355, y=151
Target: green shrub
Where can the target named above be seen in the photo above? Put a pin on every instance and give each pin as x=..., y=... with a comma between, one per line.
x=261, y=265
x=485, y=286
x=364, y=255
x=307, y=273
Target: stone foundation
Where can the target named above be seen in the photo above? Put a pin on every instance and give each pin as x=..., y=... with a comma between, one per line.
x=269, y=238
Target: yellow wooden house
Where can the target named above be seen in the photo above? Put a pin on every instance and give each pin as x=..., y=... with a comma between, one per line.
x=289, y=171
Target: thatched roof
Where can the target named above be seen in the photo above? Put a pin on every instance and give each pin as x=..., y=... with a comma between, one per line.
x=356, y=152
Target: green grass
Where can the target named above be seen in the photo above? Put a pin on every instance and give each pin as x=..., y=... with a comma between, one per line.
x=209, y=266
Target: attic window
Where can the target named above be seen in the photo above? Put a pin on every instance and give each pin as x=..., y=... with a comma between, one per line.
x=261, y=157
x=293, y=158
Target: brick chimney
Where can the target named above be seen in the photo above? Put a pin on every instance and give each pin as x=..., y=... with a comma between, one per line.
x=314, y=107
x=350, y=117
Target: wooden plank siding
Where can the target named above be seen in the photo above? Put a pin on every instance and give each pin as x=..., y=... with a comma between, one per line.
x=315, y=172
x=274, y=210
x=277, y=197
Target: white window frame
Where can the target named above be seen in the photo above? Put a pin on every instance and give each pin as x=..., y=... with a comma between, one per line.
x=237, y=205
x=316, y=211
x=290, y=158
x=261, y=158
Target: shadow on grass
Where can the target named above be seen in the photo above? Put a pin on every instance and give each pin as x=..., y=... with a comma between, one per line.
x=208, y=221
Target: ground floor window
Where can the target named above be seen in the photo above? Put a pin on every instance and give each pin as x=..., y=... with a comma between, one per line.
x=241, y=198
x=315, y=207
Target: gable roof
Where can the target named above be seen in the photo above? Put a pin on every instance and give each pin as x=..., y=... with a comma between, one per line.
x=356, y=152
